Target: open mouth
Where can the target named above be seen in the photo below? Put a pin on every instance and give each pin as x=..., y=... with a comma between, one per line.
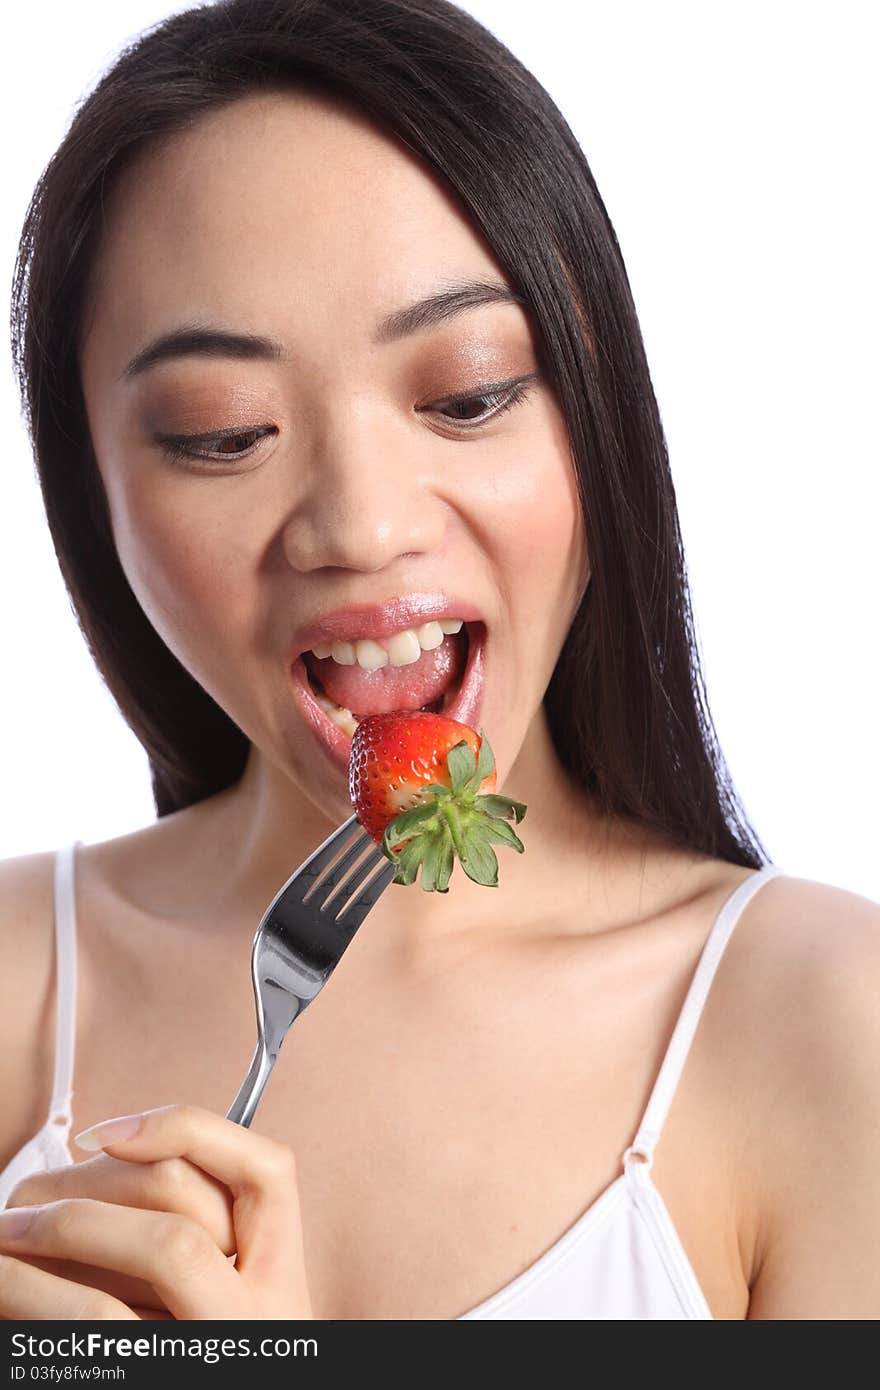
x=459, y=696
x=433, y=707
x=348, y=694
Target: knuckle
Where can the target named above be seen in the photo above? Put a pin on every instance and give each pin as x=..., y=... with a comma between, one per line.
x=168, y=1179
x=179, y=1119
x=26, y=1193
x=91, y=1305
x=172, y=1185
x=8, y=1275
x=59, y=1218
x=185, y=1248
x=279, y=1165
x=186, y=1114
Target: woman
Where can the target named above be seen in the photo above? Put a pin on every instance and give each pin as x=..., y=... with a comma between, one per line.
x=318, y=309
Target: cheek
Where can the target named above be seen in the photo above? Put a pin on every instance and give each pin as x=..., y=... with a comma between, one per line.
x=538, y=543
x=549, y=534
x=538, y=520
x=184, y=558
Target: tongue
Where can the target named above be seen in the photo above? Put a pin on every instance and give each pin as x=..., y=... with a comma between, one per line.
x=392, y=687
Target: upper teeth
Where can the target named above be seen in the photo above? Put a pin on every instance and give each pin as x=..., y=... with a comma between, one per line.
x=401, y=649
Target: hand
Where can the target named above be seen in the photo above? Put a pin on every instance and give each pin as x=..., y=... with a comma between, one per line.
x=152, y=1222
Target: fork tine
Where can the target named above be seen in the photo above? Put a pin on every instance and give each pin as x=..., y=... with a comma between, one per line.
x=333, y=885
x=356, y=909
x=322, y=856
x=337, y=872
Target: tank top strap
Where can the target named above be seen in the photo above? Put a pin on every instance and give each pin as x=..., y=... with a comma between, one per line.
x=679, y=1044
x=60, y=1116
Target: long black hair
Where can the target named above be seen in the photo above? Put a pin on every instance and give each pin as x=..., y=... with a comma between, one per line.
x=626, y=703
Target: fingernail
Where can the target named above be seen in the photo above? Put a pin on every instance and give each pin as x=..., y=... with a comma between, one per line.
x=109, y=1132
x=14, y=1223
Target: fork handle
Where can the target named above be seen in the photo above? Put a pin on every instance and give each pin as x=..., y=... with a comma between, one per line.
x=244, y=1107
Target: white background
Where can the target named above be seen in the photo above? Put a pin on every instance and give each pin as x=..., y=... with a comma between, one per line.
x=735, y=147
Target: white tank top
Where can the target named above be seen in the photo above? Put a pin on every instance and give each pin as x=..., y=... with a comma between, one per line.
x=621, y=1259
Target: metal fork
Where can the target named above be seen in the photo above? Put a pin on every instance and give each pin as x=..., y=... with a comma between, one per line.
x=300, y=941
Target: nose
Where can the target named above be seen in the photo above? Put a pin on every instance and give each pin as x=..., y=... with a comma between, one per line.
x=368, y=499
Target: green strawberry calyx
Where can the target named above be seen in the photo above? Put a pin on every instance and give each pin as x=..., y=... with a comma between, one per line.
x=454, y=820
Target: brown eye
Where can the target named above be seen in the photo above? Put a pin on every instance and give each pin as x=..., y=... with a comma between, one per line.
x=226, y=444
x=471, y=411
x=235, y=441
x=471, y=408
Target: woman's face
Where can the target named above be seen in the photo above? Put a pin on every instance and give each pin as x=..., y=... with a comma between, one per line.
x=288, y=217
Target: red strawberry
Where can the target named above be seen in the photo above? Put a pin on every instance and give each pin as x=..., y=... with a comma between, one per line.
x=416, y=781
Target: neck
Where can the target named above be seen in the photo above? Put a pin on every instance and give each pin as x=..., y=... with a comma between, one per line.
x=254, y=834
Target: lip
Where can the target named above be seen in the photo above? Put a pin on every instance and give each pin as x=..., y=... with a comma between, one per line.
x=376, y=620
x=465, y=708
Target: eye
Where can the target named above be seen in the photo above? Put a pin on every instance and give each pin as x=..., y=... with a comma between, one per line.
x=501, y=396
x=457, y=411
x=243, y=442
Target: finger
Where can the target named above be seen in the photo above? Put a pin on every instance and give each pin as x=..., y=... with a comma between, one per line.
x=32, y=1294
x=239, y=1157
x=132, y=1292
x=173, y=1254
x=170, y=1184
x=260, y=1173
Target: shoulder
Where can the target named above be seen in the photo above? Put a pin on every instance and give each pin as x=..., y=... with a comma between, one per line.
x=814, y=957
x=806, y=980
x=804, y=942
x=27, y=914
x=808, y=957
x=27, y=1035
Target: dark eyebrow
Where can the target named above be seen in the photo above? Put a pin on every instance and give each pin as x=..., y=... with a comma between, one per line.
x=445, y=304
x=204, y=342
x=207, y=341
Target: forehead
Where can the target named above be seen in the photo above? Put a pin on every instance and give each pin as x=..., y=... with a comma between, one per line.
x=282, y=208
